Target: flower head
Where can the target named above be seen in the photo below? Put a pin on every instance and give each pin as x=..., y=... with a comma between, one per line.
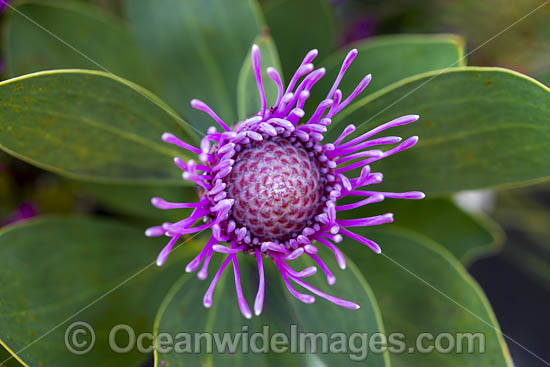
x=270, y=186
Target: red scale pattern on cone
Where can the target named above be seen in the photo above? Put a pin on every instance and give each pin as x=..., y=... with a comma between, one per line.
x=276, y=187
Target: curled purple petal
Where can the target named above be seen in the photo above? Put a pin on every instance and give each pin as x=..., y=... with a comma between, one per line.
x=161, y=259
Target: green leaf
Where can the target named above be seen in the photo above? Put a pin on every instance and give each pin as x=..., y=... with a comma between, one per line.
x=197, y=48
x=248, y=97
x=135, y=200
x=182, y=311
x=43, y=36
x=57, y=271
x=478, y=127
x=422, y=288
x=89, y=125
x=298, y=26
x=389, y=59
x=464, y=235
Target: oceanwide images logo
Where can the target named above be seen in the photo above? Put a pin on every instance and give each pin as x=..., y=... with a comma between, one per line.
x=80, y=338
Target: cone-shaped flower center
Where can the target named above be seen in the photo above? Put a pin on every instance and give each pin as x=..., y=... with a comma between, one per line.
x=277, y=188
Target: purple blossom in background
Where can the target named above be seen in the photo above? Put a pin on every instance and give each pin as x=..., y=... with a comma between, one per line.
x=3, y=4
x=355, y=22
x=271, y=188
x=25, y=211
x=360, y=29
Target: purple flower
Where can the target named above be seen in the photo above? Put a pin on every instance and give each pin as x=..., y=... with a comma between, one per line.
x=360, y=29
x=25, y=211
x=270, y=187
x=3, y=4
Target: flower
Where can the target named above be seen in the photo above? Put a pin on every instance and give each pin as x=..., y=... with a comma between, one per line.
x=359, y=29
x=270, y=187
x=24, y=211
x=3, y=4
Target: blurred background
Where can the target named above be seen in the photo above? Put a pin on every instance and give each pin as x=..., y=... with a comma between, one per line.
x=516, y=279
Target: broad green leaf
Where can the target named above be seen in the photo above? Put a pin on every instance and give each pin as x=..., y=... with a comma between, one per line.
x=325, y=317
x=464, y=235
x=298, y=26
x=389, y=59
x=422, y=288
x=478, y=127
x=89, y=125
x=60, y=35
x=57, y=271
x=135, y=200
x=197, y=48
x=248, y=97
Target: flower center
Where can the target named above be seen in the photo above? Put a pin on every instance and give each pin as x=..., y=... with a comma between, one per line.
x=276, y=187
